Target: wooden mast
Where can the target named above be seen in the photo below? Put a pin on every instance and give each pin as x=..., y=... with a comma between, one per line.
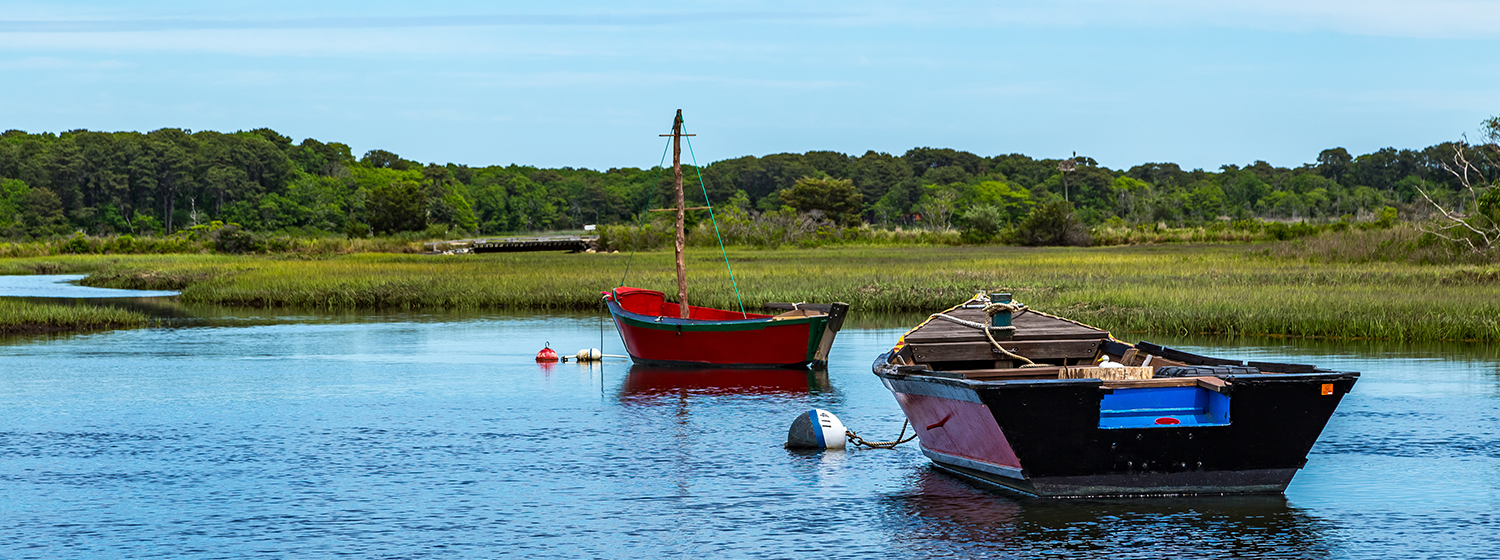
x=681, y=245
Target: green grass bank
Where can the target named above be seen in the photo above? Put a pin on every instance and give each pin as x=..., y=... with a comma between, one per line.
x=22, y=317
x=1180, y=289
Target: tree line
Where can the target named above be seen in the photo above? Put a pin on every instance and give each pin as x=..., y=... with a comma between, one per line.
x=167, y=180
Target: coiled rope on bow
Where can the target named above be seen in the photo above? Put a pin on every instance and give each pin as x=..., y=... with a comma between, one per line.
x=990, y=309
x=994, y=307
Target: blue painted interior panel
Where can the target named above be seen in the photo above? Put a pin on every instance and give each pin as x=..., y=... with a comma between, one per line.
x=1142, y=407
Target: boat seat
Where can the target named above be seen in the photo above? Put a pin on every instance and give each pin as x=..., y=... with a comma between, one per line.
x=798, y=314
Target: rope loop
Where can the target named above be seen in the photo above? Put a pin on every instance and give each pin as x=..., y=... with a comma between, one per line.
x=996, y=307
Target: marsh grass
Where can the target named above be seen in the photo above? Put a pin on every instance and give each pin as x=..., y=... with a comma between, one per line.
x=1405, y=242
x=1178, y=289
x=23, y=317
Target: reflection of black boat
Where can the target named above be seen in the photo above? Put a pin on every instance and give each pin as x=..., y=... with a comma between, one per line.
x=649, y=380
x=944, y=517
x=1022, y=406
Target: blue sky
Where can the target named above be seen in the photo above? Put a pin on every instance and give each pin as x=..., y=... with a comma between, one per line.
x=591, y=84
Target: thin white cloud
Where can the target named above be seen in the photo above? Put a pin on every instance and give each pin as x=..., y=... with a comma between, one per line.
x=550, y=80
x=1430, y=18
x=1407, y=100
x=55, y=63
x=408, y=43
x=1446, y=19
x=588, y=31
x=117, y=25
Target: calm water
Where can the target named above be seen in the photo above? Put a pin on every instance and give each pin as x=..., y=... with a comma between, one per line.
x=62, y=286
x=404, y=435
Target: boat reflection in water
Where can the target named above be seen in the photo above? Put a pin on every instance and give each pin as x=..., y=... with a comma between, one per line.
x=941, y=516
x=649, y=380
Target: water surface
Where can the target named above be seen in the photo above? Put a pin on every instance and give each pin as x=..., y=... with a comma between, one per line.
x=291, y=434
x=65, y=286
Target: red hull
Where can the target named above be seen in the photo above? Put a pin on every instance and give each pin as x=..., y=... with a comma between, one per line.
x=783, y=346
x=654, y=335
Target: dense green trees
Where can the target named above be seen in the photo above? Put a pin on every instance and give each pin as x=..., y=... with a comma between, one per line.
x=170, y=179
x=835, y=199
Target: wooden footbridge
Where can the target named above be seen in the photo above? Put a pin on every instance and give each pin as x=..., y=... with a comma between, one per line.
x=569, y=243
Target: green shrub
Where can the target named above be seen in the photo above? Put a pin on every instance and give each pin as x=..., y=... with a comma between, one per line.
x=79, y=244
x=1051, y=224
x=235, y=240
x=985, y=222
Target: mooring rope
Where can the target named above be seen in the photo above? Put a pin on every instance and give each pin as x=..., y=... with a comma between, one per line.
x=856, y=440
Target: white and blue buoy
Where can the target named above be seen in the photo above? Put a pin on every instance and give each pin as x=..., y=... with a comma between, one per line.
x=816, y=429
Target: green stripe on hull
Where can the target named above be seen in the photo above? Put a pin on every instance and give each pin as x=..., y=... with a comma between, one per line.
x=815, y=337
x=815, y=323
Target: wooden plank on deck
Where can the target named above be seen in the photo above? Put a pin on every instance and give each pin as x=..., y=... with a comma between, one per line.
x=1029, y=326
x=972, y=351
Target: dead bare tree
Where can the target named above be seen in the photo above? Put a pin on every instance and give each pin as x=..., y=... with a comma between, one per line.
x=1473, y=222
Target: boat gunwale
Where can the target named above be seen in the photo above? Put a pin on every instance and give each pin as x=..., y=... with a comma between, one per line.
x=650, y=321
x=886, y=370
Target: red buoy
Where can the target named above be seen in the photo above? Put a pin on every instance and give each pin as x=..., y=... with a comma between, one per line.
x=1163, y=421
x=546, y=355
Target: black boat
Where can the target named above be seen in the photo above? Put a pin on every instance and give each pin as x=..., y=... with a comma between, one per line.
x=1050, y=407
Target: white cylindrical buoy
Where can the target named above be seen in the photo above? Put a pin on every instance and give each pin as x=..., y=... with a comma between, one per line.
x=816, y=429
x=588, y=355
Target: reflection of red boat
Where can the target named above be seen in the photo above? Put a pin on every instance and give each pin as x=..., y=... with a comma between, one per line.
x=655, y=334
x=647, y=380
x=678, y=334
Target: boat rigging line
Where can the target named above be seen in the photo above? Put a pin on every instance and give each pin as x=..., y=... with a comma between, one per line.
x=711, y=218
x=679, y=132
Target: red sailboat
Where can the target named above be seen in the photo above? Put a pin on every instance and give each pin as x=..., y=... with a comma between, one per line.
x=660, y=333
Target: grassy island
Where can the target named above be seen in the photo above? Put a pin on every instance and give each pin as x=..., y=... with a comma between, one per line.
x=1184, y=289
x=21, y=317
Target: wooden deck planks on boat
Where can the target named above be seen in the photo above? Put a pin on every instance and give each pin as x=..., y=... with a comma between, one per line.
x=1029, y=326
x=1211, y=383
x=1033, y=349
x=1011, y=373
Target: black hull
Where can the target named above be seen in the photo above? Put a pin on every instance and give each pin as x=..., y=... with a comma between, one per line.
x=1057, y=447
